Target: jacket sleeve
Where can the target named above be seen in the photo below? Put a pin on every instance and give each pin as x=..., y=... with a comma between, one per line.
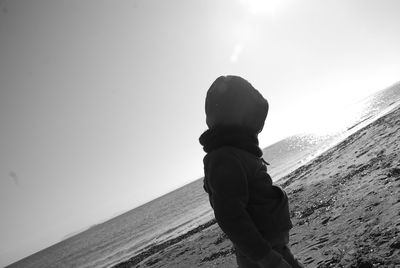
x=227, y=185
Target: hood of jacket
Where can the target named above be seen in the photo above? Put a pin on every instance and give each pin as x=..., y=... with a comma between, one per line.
x=233, y=101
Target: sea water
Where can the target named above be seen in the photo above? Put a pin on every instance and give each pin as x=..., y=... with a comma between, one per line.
x=120, y=238
x=168, y=216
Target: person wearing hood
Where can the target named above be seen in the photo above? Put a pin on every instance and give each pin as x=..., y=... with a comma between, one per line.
x=252, y=211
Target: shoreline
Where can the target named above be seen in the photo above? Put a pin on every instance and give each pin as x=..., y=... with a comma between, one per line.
x=344, y=206
x=156, y=247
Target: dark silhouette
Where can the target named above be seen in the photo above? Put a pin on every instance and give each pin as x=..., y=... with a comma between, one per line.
x=252, y=211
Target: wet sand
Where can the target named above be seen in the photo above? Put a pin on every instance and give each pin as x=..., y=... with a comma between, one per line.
x=345, y=208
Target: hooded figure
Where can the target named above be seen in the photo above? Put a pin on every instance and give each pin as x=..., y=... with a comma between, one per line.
x=232, y=101
x=252, y=211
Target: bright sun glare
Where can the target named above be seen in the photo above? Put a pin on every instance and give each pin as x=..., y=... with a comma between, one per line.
x=261, y=7
x=324, y=117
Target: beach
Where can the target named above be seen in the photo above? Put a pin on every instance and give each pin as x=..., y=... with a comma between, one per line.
x=344, y=205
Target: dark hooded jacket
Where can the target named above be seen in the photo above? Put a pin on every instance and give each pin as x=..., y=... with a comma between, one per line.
x=247, y=206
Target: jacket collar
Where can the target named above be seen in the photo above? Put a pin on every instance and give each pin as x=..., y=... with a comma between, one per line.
x=239, y=137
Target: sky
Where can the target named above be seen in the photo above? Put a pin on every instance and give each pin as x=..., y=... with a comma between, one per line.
x=102, y=102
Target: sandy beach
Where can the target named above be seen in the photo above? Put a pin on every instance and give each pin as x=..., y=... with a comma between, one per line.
x=345, y=208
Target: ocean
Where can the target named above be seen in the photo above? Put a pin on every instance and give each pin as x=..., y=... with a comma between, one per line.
x=173, y=214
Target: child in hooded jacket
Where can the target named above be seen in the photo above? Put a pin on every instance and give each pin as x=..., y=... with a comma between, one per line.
x=252, y=211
